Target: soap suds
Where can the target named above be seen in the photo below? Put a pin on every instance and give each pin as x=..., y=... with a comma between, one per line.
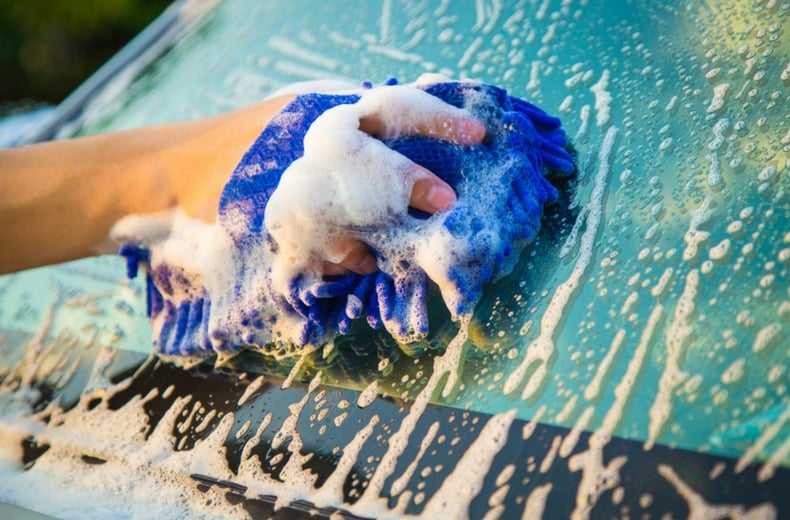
x=603, y=100
x=699, y=509
x=542, y=348
x=355, y=181
x=597, y=476
x=762, y=441
x=466, y=480
x=400, y=483
x=313, y=182
x=677, y=337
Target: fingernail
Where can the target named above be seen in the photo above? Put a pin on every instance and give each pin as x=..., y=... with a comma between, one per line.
x=367, y=265
x=440, y=197
x=473, y=132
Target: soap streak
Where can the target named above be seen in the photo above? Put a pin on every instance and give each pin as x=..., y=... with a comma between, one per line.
x=597, y=477
x=397, y=443
x=699, y=509
x=677, y=337
x=542, y=348
x=765, y=437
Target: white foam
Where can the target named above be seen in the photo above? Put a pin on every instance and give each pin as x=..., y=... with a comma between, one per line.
x=677, y=337
x=542, y=348
x=593, y=389
x=400, y=483
x=597, y=476
x=147, y=477
x=292, y=49
x=699, y=508
x=453, y=498
x=348, y=180
x=766, y=436
x=603, y=100
x=143, y=476
x=535, y=505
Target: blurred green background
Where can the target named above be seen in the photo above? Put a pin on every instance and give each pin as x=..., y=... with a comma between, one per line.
x=48, y=47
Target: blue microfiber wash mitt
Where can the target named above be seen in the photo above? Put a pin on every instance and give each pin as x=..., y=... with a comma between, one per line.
x=501, y=186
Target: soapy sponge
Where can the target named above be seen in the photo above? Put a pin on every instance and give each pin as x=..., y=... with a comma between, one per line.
x=502, y=187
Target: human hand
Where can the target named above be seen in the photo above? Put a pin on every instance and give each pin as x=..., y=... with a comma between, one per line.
x=201, y=156
x=429, y=193
x=331, y=169
x=213, y=146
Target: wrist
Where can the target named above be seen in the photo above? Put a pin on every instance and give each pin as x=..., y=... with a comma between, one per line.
x=204, y=153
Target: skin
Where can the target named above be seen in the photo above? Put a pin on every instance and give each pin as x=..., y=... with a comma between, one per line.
x=60, y=199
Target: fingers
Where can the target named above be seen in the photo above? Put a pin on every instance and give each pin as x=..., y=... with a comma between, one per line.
x=430, y=193
x=353, y=256
x=393, y=111
x=460, y=128
x=463, y=129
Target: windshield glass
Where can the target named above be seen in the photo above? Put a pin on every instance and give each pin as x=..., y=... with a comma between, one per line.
x=653, y=306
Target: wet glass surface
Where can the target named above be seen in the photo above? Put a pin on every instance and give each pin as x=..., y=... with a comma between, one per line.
x=653, y=307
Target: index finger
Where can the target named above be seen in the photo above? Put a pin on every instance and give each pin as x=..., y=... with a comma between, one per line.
x=459, y=129
x=402, y=110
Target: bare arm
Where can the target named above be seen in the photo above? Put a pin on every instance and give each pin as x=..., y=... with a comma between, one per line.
x=59, y=200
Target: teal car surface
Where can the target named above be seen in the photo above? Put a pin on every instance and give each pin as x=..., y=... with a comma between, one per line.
x=634, y=364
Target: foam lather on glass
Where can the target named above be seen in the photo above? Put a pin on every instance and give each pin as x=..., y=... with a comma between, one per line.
x=254, y=280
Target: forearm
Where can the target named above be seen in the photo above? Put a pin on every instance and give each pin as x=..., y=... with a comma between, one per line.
x=59, y=200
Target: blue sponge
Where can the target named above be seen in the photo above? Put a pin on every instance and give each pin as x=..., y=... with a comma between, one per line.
x=501, y=186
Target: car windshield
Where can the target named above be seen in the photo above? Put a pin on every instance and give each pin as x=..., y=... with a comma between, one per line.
x=654, y=305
